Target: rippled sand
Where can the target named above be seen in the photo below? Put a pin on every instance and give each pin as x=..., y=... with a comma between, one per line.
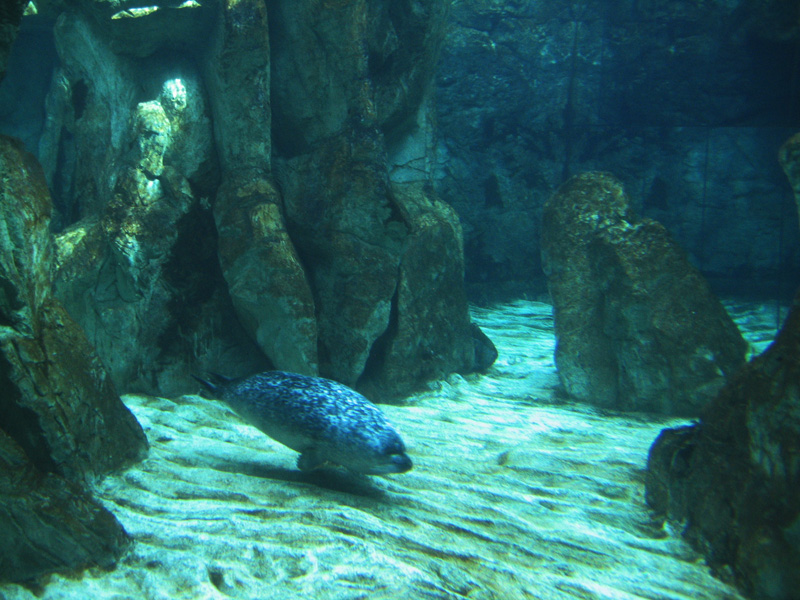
x=514, y=494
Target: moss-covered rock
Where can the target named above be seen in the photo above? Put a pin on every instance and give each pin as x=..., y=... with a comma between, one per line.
x=637, y=325
x=266, y=280
x=62, y=423
x=733, y=479
x=48, y=523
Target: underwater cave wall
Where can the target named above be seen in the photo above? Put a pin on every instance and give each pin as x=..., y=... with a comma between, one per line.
x=687, y=103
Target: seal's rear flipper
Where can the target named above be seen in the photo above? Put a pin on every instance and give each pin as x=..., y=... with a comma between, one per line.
x=207, y=384
x=219, y=379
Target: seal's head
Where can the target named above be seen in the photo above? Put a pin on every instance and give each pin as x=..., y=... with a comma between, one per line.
x=365, y=445
x=389, y=455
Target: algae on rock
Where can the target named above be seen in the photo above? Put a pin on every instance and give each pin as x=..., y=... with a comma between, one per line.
x=733, y=479
x=61, y=422
x=308, y=224
x=638, y=327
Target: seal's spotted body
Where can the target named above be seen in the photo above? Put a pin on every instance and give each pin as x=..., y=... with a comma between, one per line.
x=323, y=420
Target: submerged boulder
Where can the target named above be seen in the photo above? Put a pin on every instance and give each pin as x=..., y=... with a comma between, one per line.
x=733, y=479
x=58, y=402
x=61, y=420
x=638, y=327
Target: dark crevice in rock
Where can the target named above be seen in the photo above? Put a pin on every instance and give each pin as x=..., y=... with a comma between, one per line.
x=285, y=141
x=11, y=302
x=193, y=275
x=80, y=92
x=376, y=360
x=66, y=206
x=21, y=423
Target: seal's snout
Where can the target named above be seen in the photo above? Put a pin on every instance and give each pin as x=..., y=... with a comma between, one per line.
x=401, y=462
x=391, y=464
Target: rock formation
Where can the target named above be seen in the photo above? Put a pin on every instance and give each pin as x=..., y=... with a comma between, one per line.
x=733, y=479
x=180, y=245
x=637, y=325
x=260, y=198
x=48, y=523
x=61, y=422
x=361, y=234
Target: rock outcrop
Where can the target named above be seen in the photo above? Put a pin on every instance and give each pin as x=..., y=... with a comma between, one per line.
x=61, y=422
x=637, y=325
x=733, y=479
x=429, y=329
x=361, y=234
x=197, y=232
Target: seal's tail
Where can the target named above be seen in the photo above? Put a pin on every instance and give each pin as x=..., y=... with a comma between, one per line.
x=206, y=384
x=214, y=388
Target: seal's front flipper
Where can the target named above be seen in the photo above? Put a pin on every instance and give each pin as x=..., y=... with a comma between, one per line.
x=309, y=460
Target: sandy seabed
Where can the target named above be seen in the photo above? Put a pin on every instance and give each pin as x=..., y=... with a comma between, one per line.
x=514, y=494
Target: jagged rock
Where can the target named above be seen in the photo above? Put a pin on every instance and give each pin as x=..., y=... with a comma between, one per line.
x=319, y=72
x=61, y=420
x=335, y=121
x=310, y=253
x=733, y=479
x=266, y=280
x=637, y=325
x=127, y=244
x=58, y=402
x=350, y=236
x=237, y=73
x=138, y=268
x=377, y=67
x=49, y=524
x=429, y=333
x=335, y=184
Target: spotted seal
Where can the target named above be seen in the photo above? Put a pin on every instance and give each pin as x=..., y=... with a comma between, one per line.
x=325, y=421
